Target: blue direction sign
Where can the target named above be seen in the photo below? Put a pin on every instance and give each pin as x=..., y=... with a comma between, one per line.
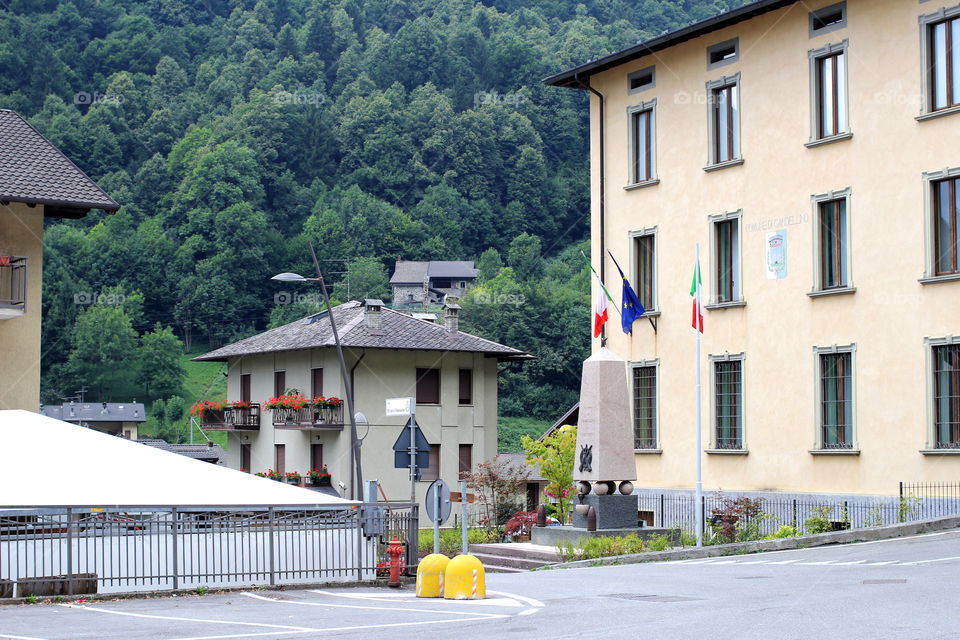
x=401, y=448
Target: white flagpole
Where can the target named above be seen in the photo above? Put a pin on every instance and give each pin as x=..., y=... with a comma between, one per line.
x=699, y=492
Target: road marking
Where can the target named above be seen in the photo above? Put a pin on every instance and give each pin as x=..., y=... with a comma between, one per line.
x=783, y=562
x=3, y=635
x=815, y=564
x=852, y=562
x=332, y=605
x=527, y=612
x=405, y=597
x=950, y=559
x=179, y=619
x=530, y=601
x=878, y=564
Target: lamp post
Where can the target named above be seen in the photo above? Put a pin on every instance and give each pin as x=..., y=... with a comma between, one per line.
x=347, y=389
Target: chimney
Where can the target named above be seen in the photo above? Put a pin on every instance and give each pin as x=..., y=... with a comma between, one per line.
x=104, y=410
x=372, y=313
x=451, y=316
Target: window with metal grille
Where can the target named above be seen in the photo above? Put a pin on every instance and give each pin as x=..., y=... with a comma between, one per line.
x=946, y=396
x=729, y=404
x=725, y=106
x=833, y=244
x=946, y=226
x=944, y=41
x=428, y=386
x=645, y=247
x=836, y=400
x=645, y=407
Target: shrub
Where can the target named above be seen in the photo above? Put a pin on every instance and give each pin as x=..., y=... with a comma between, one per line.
x=520, y=523
x=785, y=531
x=819, y=522
x=661, y=543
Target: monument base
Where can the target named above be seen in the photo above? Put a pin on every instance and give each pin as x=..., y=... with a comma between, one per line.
x=550, y=536
x=613, y=512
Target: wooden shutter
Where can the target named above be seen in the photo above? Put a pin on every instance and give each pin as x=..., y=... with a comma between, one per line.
x=280, y=456
x=466, y=459
x=316, y=382
x=245, y=388
x=428, y=386
x=316, y=455
x=245, y=457
x=466, y=386
x=432, y=472
x=279, y=382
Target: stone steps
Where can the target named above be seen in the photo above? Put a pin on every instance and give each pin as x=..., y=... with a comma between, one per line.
x=513, y=557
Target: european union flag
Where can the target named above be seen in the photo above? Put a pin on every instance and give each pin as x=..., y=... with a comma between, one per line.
x=632, y=309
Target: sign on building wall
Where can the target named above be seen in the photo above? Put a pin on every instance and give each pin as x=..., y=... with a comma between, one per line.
x=776, y=252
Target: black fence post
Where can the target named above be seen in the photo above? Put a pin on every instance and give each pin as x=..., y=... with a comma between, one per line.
x=176, y=559
x=794, y=513
x=270, y=529
x=661, y=510
x=69, y=551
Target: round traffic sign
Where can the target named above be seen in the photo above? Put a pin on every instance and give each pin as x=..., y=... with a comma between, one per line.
x=438, y=489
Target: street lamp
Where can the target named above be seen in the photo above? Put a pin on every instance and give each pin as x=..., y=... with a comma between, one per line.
x=347, y=389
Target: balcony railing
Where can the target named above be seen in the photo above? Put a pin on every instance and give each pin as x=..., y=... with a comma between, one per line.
x=309, y=417
x=233, y=419
x=13, y=286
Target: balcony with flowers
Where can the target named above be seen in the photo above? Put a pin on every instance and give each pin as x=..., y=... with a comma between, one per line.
x=13, y=285
x=296, y=411
x=220, y=415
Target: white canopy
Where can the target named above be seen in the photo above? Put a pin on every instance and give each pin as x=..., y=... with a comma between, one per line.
x=46, y=462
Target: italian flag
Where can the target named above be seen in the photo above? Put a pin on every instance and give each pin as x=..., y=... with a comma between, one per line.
x=600, y=313
x=696, y=290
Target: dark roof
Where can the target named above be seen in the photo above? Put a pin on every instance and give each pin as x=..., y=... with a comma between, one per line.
x=518, y=460
x=34, y=171
x=572, y=416
x=207, y=452
x=397, y=331
x=572, y=78
x=96, y=412
x=413, y=272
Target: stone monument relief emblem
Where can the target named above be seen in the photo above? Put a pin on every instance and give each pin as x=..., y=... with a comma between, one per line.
x=586, y=457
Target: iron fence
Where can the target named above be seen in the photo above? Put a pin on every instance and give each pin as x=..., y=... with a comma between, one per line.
x=70, y=550
x=807, y=515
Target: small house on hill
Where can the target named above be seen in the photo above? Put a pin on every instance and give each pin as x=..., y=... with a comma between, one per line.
x=418, y=284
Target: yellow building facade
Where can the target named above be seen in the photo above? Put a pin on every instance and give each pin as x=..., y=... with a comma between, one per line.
x=812, y=150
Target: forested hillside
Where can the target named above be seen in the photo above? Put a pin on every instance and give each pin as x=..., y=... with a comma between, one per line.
x=233, y=131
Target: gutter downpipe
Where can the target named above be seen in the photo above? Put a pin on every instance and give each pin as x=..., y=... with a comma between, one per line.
x=355, y=457
x=603, y=247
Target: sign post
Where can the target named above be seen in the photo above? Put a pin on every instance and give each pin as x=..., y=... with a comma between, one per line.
x=438, y=508
x=463, y=516
x=407, y=407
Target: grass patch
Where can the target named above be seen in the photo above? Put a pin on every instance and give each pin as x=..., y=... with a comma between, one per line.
x=510, y=429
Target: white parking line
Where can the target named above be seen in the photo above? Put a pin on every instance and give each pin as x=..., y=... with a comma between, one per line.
x=783, y=562
x=332, y=605
x=407, y=597
x=287, y=627
x=879, y=564
x=950, y=559
x=2, y=635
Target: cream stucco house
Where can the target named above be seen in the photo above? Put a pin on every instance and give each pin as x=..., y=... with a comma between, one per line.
x=36, y=181
x=812, y=149
x=388, y=354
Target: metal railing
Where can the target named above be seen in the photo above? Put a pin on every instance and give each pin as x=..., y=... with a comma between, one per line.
x=233, y=418
x=309, y=417
x=13, y=283
x=915, y=502
x=70, y=550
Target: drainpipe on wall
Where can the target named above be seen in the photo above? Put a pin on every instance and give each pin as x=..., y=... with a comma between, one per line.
x=603, y=246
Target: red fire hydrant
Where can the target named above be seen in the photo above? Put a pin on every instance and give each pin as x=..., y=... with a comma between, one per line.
x=395, y=551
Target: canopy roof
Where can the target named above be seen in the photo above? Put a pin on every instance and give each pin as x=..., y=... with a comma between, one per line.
x=45, y=462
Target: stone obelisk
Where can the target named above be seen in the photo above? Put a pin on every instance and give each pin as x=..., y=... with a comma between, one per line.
x=604, y=461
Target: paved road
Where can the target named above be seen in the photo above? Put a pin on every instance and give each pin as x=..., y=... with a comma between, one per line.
x=905, y=588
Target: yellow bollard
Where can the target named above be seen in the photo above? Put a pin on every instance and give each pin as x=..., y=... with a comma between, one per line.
x=465, y=579
x=430, y=573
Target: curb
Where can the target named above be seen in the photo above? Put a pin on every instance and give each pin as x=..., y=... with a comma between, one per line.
x=777, y=544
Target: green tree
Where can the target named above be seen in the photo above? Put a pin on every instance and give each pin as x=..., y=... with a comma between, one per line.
x=553, y=456
x=103, y=348
x=161, y=373
x=489, y=264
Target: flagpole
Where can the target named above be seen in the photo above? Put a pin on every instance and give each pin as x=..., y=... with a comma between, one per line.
x=699, y=492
